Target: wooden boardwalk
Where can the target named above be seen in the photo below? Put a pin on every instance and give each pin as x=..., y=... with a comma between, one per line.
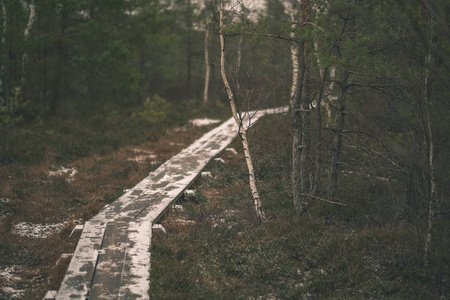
x=112, y=258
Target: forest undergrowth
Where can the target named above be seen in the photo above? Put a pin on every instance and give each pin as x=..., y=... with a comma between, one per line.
x=58, y=173
x=215, y=249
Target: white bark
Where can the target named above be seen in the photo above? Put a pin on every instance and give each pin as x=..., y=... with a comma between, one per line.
x=430, y=154
x=207, y=73
x=337, y=139
x=321, y=70
x=242, y=131
x=330, y=95
x=296, y=92
x=239, y=59
x=318, y=161
x=2, y=67
x=300, y=109
x=26, y=34
x=31, y=17
x=239, y=51
x=294, y=48
x=320, y=66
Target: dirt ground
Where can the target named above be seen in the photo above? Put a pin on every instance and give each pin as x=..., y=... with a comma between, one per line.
x=40, y=206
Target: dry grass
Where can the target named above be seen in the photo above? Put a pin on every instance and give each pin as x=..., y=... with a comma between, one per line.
x=31, y=195
x=223, y=254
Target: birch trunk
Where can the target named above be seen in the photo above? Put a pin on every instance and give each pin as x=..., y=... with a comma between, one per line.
x=322, y=72
x=242, y=131
x=297, y=137
x=430, y=149
x=239, y=59
x=305, y=17
x=337, y=140
x=26, y=34
x=294, y=49
x=305, y=167
x=318, y=161
x=301, y=120
x=189, y=49
x=205, y=91
x=329, y=92
x=3, y=92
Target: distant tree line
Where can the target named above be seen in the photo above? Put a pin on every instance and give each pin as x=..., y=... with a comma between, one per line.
x=92, y=51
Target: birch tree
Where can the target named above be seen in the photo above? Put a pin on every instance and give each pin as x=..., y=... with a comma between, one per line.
x=293, y=8
x=338, y=131
x=430, y=155
x=238, y=118
x=207, y=66
x=31, y=17
x=6, y=80
x=300, y=109
x=430, y=69
x=3, y=56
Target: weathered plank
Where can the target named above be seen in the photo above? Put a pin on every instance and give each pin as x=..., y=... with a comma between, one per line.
x=77, y=281
x=112, y=258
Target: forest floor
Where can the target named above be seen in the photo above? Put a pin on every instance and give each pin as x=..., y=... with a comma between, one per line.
x=41, y=204
x=214, y=248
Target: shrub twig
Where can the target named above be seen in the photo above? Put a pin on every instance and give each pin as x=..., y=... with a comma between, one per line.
x=325, y=200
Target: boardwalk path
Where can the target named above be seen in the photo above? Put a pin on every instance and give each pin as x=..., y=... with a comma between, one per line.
x=112, y=258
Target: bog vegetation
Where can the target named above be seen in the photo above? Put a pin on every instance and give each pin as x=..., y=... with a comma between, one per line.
x=353, y=182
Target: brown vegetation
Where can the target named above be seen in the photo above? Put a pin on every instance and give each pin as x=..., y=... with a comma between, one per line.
x=31, y=195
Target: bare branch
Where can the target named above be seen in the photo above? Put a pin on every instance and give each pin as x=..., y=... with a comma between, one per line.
x=315, y=25
x=368, y=175
x=275, y=36
x=325, y=200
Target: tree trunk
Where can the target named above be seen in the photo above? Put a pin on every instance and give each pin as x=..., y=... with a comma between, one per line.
x=189, y=49
x=337, y=139
x=301, y=120
x=305, y=167
x=294, y=49
x=430, y=156
x=26, y=34
x=239, y=59
x=205, y=90
x=297, y=138
x=329, y=92
x=318, y=161
x=322, y=72
x=242, y=131
x=3, y=93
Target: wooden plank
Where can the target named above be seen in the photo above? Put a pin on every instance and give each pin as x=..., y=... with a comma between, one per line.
x=136, y=273
x=77, y=281
x=112, y=258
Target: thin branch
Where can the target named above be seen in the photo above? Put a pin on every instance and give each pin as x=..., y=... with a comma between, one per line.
x=275, y=36
x=383, y=47
x=368, y=149
x=314, y=24
x=373, y=86
x=368, y=175
x=325, y=200
x=359, y=73
x=362, y=132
